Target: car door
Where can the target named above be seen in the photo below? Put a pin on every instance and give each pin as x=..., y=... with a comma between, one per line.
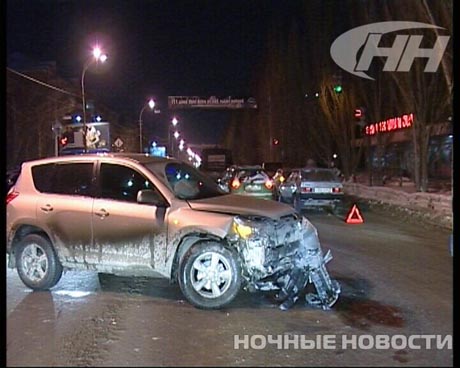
x=64, y=207
x=127, y=233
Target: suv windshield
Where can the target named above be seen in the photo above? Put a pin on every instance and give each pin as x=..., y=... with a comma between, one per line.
x=186, y=182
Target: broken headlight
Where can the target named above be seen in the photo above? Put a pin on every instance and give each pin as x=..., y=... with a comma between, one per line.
x=245, y=228
x=253, y=242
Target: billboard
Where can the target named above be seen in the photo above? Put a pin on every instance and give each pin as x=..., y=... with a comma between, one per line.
x=213, y=102
x=97, y=135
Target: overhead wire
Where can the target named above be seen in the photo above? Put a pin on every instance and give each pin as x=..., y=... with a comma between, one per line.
x=47, y=85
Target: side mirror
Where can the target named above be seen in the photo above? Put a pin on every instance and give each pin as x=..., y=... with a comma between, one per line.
x=149, y=196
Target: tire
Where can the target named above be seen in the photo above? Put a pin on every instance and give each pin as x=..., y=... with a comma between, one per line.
x=197, y=284
x=37, y=264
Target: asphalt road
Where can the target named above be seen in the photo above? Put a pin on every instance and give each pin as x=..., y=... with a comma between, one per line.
x=397, y=286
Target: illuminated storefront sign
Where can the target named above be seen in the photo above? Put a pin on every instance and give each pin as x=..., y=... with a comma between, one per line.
x=389, y=125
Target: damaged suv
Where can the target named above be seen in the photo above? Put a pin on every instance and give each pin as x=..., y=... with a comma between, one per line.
x=138, y=215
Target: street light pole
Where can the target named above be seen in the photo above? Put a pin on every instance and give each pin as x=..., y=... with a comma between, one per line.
x=174, y=122
x=150, y=104
x=176, y=136
x=97, y=56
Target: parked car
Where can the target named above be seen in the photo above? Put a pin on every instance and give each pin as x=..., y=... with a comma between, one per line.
x=138, y=215
x=251, y=181
x=11, y=177
x=312, y=187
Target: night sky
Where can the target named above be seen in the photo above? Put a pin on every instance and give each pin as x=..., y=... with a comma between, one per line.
x=155, y=48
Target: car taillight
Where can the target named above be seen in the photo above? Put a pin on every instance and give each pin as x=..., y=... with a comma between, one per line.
x=336, y=190
x=306, y=190
x=11, y=195
x=235, y=183
x=269, y=184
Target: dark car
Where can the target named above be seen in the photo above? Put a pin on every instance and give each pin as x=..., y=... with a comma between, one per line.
x=11, y=177
x=312, y=187
x=251, y=181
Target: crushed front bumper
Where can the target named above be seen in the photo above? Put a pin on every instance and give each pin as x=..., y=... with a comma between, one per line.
x=286, y=256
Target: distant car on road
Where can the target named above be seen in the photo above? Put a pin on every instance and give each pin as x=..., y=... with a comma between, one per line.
x=312, y=187
x=11, y=177
x=252, y=181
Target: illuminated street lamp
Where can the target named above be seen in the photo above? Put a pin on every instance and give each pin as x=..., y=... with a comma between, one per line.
x=96, y=57
x=174, y=123
x=150, y=104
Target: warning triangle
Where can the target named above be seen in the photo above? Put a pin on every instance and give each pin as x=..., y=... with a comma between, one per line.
x=354, y=216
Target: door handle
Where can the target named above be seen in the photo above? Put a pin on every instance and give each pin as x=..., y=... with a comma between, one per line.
x=46, y=208
x=102, y=213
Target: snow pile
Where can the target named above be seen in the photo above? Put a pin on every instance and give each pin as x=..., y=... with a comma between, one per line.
x=435, y=207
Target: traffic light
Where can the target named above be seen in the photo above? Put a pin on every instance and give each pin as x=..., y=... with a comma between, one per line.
x=360, y=113
x=337, y=82
x=360, y=116
x=66, y=137
x=275, y=141
x=64, y=141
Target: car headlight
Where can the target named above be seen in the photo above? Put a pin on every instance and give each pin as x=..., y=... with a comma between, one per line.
x=288, y=188
x=244, y=228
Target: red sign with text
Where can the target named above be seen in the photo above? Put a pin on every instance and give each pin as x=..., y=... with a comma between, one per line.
x=389, y=125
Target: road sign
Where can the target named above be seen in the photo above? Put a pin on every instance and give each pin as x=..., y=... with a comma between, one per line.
x=118, y=143
x=354, y=216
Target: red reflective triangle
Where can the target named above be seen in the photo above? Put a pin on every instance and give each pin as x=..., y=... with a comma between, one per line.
x=354, y=216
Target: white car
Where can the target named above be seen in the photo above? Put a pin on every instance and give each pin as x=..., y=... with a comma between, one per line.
x=312, y=187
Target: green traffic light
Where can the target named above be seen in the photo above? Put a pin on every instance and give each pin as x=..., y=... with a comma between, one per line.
x=338, y=89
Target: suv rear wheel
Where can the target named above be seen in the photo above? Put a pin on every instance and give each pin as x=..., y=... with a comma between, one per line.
x=210, y=275
x=37, y=264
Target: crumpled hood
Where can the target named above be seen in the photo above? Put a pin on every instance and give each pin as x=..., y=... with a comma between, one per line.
x=242, y=205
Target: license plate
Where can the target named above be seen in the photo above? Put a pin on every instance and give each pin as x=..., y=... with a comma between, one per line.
x=323, y=190
x=253, y=188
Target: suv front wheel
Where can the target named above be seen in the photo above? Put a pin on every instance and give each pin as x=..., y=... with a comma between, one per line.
x=210, y=275
x=37, y=264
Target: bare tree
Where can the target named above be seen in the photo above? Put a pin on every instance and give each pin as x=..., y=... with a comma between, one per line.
x=428, y=94
x=339, y=124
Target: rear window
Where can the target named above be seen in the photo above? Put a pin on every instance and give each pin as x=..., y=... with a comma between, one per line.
x=319, y=175
x=252, y=173
x=66, y=178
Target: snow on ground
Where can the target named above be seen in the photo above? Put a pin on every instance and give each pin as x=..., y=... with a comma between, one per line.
x=401, y=197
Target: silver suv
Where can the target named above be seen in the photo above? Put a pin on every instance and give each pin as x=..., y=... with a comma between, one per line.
x=137, y=215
